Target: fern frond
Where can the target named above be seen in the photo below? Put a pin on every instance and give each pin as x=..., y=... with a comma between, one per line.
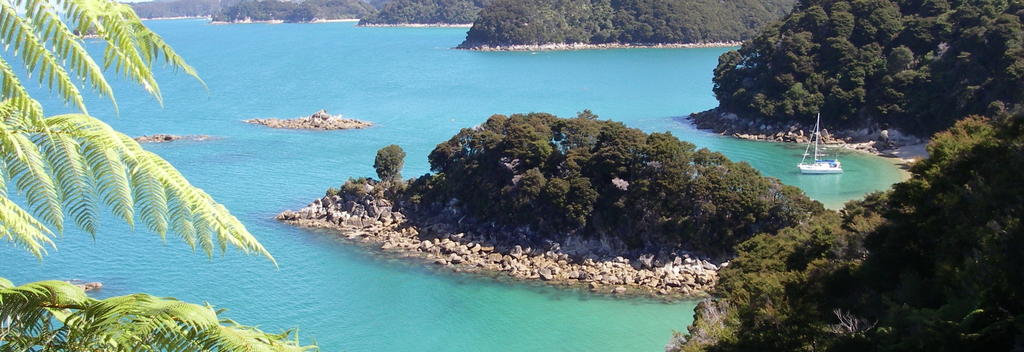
x=20, y=35
x=66, y=46
x=19, y=227
x=60, y=316
x=15, y=95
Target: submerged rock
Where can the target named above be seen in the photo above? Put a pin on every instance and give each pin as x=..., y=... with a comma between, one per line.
x=163, y=138
x=319, y=120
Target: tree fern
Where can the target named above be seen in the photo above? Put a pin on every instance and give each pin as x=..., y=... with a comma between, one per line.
x=70, y=167
x=58, y=316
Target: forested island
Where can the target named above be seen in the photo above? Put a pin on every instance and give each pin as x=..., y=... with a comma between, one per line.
x=540, y=24
x=425, y=12
x=873, y=65
x=577, y=200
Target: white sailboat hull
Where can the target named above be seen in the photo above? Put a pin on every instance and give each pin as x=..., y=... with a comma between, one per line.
x=821, y=168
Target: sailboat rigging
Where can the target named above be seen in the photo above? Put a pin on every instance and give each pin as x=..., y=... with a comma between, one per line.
x=818, y=166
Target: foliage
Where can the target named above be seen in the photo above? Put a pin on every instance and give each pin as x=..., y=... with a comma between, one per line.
x=515, y=22
x=389, y=163
x=933, y=264
x=289, y=11
x=601, y=178
x=917, y=65
x=74, y=166
x=426, y=12
x=58, y=316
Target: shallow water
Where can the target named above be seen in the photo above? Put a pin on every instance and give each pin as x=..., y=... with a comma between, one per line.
x=419, y=92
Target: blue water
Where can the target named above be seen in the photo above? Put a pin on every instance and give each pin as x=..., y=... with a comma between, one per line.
x=419, y=93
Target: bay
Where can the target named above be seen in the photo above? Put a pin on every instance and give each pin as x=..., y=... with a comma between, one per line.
x=419, y=92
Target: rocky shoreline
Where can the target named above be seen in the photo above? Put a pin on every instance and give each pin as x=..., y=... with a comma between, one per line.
x=587, y=46
x=883, y=142
x=446, y=240
x=319, y=120
x=164, y=138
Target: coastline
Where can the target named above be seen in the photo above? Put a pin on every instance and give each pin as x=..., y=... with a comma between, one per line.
x=176, y=18
x=448, y=242
x=335, y=20
x=902, y=149
x=247, y=22
x=417, y=25
x=282, y=21
x=588, y=46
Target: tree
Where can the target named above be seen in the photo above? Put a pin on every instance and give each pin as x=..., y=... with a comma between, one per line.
x=68, y=167
x=389, y=162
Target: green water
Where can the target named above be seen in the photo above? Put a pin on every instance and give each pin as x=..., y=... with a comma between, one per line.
x=419, y=92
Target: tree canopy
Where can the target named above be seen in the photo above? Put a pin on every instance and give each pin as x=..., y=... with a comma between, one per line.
x=290, y=11
x=917, y=65
x=516, y=22
x=600, y=178
x=426, y=12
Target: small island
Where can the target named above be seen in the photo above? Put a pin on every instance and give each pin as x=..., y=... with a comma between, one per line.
x=319, y=120
x=164, y=138
x=567, y=201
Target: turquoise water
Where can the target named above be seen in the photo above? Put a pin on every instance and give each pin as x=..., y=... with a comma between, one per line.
x=419, y=92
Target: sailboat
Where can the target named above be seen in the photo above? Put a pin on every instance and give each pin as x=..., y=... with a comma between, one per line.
x=819, y=166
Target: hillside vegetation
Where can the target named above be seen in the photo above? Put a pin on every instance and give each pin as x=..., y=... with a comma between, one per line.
x=179, y=8
x=287, y=11
x=529, y=22
x=918, y=65
x=933, y=265
x=426, y=12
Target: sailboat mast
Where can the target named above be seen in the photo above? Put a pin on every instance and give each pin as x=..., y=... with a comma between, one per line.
x=817, y=136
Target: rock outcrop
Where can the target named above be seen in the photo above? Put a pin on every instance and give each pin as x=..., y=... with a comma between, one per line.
x=449, y=239
x=163, y=138
x=319, y=120
x=87, y=286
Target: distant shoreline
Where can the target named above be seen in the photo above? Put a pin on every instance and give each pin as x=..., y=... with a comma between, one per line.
x=587, y=46
x=176, y=18
x=282, y=21
x=419, y=25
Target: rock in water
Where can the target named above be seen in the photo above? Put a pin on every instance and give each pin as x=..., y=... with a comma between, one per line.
x=163, y=138
x=319, y=120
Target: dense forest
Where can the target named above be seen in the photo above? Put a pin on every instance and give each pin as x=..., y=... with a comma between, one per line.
x=935, y=264
x=289, y=11
x=917, y=65
x=519, y=22
x=592, y=177
x=426, y=12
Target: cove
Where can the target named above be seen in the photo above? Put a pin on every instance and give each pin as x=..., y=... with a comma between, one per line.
x=419, y=92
